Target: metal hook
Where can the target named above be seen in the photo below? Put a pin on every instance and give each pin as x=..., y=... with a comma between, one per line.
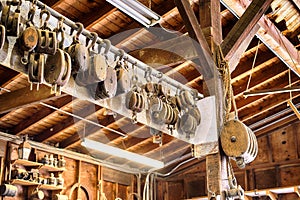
x=48, y=14
x=94, y=40
x=122, y=54
x=79, y=28
x=107, y=46
x=147, y=76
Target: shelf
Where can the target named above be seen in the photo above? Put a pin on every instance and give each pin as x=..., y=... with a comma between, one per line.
x=51, y=168
x=50, y=187
x=26, y=163
x=23, y=182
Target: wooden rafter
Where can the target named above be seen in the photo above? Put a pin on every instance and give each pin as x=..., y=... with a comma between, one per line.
x=204, y=60
x=231, y=45
x=11, y=100
x=271, y=36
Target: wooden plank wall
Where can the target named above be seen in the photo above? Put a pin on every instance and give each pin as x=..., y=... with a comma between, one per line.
x=115, y=184
x=276, y=165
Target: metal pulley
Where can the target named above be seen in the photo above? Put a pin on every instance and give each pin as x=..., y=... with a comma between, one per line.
x=79, y=52
x=239, y=142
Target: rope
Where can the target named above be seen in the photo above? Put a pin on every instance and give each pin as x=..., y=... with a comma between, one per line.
x=229, y=100
x=253, y=63
x=290, y=83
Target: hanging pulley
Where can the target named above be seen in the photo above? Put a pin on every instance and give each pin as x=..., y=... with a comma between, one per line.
x=239, y=142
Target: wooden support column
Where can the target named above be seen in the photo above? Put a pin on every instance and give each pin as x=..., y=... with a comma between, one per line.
x=210, y=20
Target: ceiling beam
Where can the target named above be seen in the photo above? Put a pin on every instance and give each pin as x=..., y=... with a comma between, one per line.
x=84, y=112
x=242, y=30
x=205, y=61
x=270, y=35
x=37, y=117
x=24, y=97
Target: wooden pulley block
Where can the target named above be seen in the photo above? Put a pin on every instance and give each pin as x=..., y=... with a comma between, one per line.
x=175, y=116
x=124, y=81
x=47, y=42
x=5, y=15
x=11, y=21
x=66, y=70
x=169, y=116
x=186, y=126
x=131, y=100
x=29, y=39
x=108, y=87
x=2, y=36
x=98, y=69
x=150, y=87
x=160, y=117
x=80, y=57
x=55, y=67
x=135, y=101
x=155, y=104
x=36, y=68
x=195, y=112
x=186, y=98
x=235, y=139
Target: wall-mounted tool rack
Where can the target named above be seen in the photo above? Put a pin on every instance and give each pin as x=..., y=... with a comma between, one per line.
x=206, y=131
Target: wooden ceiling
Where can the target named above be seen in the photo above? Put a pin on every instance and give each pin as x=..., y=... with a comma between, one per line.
x=262, y=63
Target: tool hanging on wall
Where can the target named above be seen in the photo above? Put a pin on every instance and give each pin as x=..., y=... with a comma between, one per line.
x=47, y=42
x=237, y=140
x=79, y=52
x=2, y=31
x=11, y=19
x=97, y=70
x=29, y=37
x=135, y=100
x=58, y=66
x=123, y=76
x=190, y=115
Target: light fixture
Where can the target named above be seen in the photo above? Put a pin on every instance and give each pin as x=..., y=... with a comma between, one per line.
x=137, y=11
x=24, y=149
x=114, y=151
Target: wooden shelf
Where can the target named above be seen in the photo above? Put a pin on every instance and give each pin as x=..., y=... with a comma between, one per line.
x=50, y=187
x=51, y=168
x=23, y=182
x=26, y=163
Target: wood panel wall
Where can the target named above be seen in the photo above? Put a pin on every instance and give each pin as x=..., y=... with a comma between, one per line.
x=277, y=165
x=115, y=183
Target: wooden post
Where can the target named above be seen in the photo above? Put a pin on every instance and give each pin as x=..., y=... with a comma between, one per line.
x=216, y=165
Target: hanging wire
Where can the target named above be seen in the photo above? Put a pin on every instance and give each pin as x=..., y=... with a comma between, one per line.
x=253, y=63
